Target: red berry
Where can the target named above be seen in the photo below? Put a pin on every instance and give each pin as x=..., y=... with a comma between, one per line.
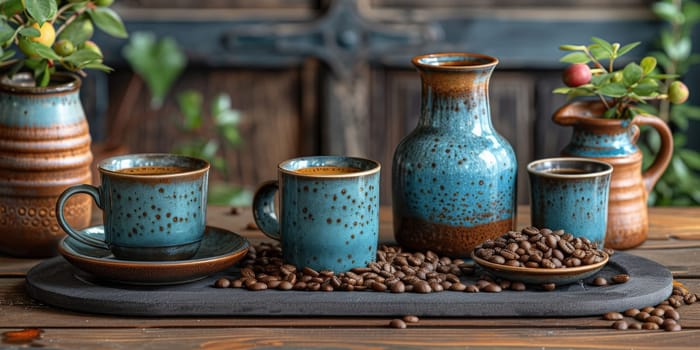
x=577, y=74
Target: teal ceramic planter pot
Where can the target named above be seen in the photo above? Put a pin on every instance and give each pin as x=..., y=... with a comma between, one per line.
x=44, y=148
x=454, y=176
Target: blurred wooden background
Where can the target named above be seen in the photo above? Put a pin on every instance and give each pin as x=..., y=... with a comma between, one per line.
x=334, y=77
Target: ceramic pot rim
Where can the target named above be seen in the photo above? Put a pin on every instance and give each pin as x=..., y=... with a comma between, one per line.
x=605, y=168
x=473, y=61
x=23, y=83
x=369, y=166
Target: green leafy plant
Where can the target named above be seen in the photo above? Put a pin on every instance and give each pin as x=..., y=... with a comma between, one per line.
x=54, y=34
x=159, y=63
x=680, y=184
x=593, y=73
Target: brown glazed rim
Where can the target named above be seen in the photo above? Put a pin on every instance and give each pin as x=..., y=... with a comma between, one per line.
x=205, y=167
x=23, y=83
x=541, y=271
x=488, y=61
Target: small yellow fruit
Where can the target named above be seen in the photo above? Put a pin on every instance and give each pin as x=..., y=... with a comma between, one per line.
x=678, y=92
x=90, y=45
x=48, y=34
x=64, y=47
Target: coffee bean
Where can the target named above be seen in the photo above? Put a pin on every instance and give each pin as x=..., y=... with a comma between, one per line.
x=673, y=327
x=631, y=312
x=620, y=325
x=257, y=286
x=471, y=289
x=518, y=286
x=611, y=316
x=600, y=281
x=672, y=314
x=690, y=299
x=647, y=309
x=222, y=283
x=411, y=319
x=237, y=283
x=635, y=325
x=422, y=287
x=378, y=287
x=621, y=278
x=650, y=326
x=458, y=287
x=641, y=316
x=549, y=286
x=285, y=285
x=492, y=288
x=398, y=287
x=397, y=323
x=310, y=272
x=655, y=319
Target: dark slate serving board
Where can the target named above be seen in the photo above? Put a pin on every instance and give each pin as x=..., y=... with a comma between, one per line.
x=57, y=283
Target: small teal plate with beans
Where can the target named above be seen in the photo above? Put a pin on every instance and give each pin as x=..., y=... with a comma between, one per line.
x=540, y=275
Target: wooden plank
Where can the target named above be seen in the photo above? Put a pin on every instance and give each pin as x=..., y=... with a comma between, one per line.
x=365, y=338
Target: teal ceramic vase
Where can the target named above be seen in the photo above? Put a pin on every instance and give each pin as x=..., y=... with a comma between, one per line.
x=44, y=148
x=454, y=176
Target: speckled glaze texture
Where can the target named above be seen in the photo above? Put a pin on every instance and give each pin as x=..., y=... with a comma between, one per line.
x=614, y=141
x=326, y=221
x=44, y=148
x=148, y=217
x=454, y=176
x=574, y=202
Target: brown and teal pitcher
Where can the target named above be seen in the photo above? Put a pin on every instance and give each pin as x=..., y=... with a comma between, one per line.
x=614, y=141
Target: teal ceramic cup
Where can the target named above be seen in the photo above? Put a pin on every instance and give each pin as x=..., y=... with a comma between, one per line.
x=328, y=211
x=570, y=194
x=153, y=206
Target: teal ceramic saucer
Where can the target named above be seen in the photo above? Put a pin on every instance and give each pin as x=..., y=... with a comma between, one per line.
x=219, y=250
x=560, y=276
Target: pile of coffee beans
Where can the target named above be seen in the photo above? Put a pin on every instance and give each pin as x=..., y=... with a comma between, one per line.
x=394, y=271
x=540, y=248
x=663, y=316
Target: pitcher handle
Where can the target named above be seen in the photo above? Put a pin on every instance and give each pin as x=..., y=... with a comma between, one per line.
x=264, y=209
x=657, y=168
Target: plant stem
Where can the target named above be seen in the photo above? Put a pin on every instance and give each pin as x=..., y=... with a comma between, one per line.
x=61, y=11
x=70, y=20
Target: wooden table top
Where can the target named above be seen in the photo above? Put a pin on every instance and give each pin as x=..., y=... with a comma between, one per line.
x=674, y=242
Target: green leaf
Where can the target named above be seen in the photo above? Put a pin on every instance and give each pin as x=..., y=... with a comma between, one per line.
x=45, y=77
x=678, y=120
x=667, y=12
x=43, y=51
x=599, y=53
x=645, y=88
x=648, y=64
x=220, y=104
x=229, y=195
x=691, y=10
x=691, y=158
x=572, y=48
x=29, y=32
x=603, y=44
x=600, y=79
x=78, y=32
x=41, y=10
x=6, y=31
x=683, y=47
x=11, y=7
x=627, y=48
x=108, y=21
x=83, y=57
x=6, y=55
x=561, y=90
x=159, y=63
x=98, y=66
x=613, y=89
x=232, y=136
x=631, y=74
x=688, y=111
x=575, y=57
x=190, y=103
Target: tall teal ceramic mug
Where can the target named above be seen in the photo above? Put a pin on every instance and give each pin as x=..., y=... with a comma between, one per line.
x=570, y=194
x=329, y=211
x=153, y=206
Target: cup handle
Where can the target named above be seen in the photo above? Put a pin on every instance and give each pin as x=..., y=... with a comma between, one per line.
x=60, y=204
x=264, y=209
